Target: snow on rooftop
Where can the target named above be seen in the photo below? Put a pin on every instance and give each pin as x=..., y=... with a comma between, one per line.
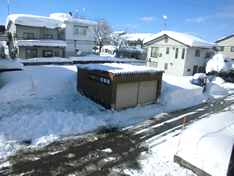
x=119, y=68
x=64, y=17
x=136, y=37
x=216, y=41
x=199, y=76
x=33, y=20
x=183, y=38
x=48, y=43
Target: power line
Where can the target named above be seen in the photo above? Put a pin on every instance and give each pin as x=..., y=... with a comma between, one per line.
x=203, y=6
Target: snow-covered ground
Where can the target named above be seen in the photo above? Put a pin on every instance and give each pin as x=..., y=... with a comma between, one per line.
x=41, y=104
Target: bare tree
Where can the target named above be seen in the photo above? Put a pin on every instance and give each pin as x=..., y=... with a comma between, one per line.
x=117, y=39
x=102, y=33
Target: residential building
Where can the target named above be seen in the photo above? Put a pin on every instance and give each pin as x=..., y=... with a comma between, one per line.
x=226, y=46
x=177, y=53
x=134, y=46
x=33, y=36
x=78, y=33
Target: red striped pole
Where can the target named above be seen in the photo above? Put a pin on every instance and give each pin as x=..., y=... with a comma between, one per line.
x=181, y=135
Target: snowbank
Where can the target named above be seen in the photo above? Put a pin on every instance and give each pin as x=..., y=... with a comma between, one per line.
x=6, y=64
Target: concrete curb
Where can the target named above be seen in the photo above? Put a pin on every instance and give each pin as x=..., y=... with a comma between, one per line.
x=189, y=166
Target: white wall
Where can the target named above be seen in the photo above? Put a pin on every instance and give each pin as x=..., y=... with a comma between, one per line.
x=84, y=42
x=227, y=47
x=176, y=66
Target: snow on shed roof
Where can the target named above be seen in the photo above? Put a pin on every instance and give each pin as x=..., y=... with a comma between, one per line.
x=139, y=36
x=64, y=17
x=183, y=38
x=48, y=43
x=120, y=68
x=33, y=20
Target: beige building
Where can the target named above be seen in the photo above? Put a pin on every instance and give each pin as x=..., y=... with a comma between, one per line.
x=177, y=53
x=226, y=46
x=33, y=36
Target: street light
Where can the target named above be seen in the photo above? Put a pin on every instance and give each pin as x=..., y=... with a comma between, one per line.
x=165, y=17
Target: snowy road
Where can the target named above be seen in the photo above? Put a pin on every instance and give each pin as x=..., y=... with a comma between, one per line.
x=99, y=153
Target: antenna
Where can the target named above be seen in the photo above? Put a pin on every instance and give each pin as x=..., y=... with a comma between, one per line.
x=8, y=2
x=165, y=17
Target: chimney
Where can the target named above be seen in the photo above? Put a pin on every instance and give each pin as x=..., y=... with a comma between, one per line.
x=76, y=14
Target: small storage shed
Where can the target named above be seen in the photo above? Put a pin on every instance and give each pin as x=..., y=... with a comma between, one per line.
x=119, y=86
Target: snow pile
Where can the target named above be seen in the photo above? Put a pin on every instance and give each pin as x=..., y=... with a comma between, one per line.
x=64, y=17
x=199, y=76
x=178, y=91
x=49, y=43
x=33, y=20
x=37, y=128
x=37, y=81
x=10, y=64
x=119, y=68
x=183, y=38
x=220, y=63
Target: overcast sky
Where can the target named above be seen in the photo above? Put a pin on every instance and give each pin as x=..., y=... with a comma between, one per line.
x=206, y=19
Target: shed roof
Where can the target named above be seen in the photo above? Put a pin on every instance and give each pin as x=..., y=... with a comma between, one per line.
x=186, y=39
x=120, y=68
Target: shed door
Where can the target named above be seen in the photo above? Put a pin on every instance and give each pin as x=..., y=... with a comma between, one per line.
x=126, y=95
x=147, y=91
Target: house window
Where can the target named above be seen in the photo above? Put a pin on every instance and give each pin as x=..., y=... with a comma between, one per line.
x=27, y=36
x=56, y=53
x=166, y=66
x=31, y=53
x=80, y=31
x=221, y=48
x=197, y=53
x=154, y=51
x=166, y=39
x=183, y=53
x=176, y=53
x=48, y=53
x=167, y=50
x=232, y=49
x=153, y=64
x=47, y=36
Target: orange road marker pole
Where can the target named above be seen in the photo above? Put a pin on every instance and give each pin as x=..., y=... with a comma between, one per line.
x=181, y=135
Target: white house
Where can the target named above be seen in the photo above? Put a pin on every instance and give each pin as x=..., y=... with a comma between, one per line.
x=78, y=33
x=177, y=53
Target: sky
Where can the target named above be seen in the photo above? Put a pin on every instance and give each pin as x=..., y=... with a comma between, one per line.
x=209, y=20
